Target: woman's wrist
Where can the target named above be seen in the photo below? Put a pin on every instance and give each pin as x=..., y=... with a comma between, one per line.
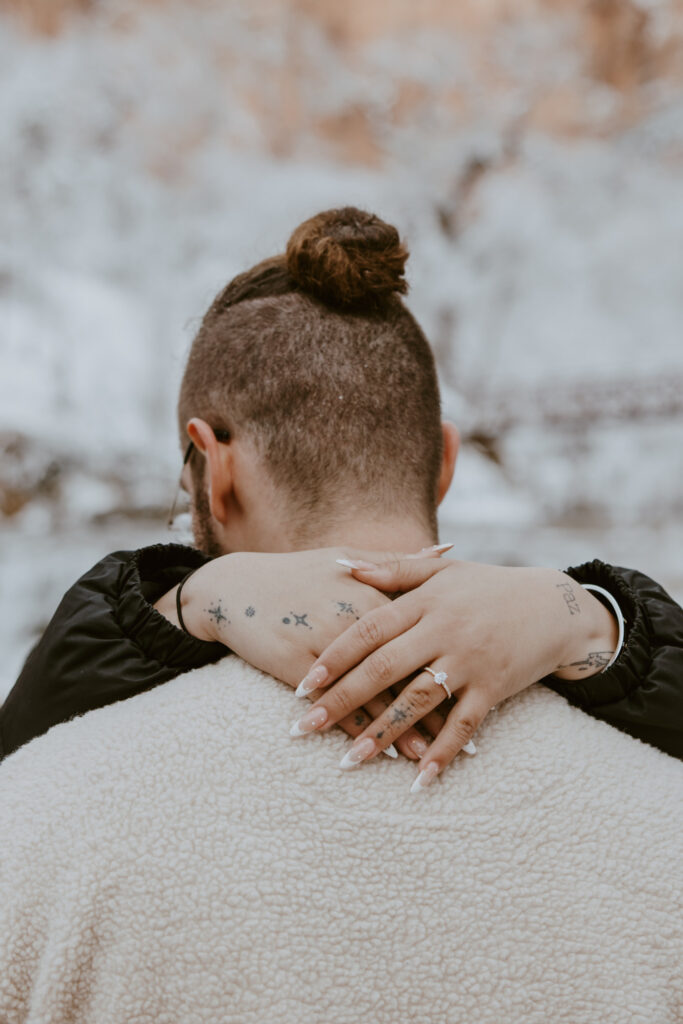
x=206, y=598
x=592, y=633
x=202, y=602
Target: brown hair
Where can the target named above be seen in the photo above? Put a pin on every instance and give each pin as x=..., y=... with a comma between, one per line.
x=313, y=355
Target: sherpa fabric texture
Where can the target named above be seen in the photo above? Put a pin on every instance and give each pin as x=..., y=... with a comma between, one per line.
x=178, y=859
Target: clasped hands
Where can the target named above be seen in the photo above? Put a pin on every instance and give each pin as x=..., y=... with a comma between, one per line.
x=323, y=621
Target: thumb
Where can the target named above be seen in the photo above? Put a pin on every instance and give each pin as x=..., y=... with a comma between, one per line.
x=396, y=575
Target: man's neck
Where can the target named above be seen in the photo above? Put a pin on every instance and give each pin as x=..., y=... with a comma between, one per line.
x=395, y=535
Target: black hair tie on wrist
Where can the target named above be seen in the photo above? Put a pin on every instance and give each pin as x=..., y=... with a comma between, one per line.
x=177, y=602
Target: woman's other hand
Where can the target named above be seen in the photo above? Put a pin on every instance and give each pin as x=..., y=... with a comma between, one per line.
x=493, y=631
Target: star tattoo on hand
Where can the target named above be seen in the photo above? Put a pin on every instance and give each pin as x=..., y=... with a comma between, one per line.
x=217, y=613
x=346, y=608
x=299, y=620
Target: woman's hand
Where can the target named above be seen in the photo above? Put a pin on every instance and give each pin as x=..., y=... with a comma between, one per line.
x=279, y=611
x=493, y=631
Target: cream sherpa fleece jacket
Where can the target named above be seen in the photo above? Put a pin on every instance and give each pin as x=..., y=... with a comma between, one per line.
x=177, y=859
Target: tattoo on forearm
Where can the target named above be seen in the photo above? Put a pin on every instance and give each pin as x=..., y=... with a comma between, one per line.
x=299, y=620
x=217, y=613
x=346, y=608
x=569, y=597
x=250, y=612
x=596, y=659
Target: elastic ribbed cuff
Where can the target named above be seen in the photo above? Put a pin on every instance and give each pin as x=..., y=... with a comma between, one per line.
x=151, y=631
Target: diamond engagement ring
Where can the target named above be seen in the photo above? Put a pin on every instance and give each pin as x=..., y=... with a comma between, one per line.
x=440, y=678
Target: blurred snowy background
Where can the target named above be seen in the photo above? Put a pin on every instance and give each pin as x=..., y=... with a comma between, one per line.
x=531, y=153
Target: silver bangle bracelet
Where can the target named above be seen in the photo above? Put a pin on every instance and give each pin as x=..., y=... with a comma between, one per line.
x=619, y=617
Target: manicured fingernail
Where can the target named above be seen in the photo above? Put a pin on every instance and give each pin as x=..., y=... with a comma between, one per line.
x=315, y=678
x=435, y=549
x=360, y=751
x=470, y=748
x=425, y=778
x=313, y=719
x=365, y=566
x=418, y=747
x=390, y=751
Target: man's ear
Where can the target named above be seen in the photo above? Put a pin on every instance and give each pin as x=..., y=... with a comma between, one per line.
x=451, y=446
x=219, y=468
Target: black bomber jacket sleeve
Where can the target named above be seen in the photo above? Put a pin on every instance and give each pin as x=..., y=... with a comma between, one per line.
x=642, y=692
x=106, y=642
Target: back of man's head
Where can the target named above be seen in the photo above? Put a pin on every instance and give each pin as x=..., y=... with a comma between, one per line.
x=313, y=356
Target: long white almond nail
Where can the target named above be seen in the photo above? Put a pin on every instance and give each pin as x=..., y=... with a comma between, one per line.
x=435, y=549
x=360, y=751
x=315, y=678
x=425, y=778
x=364, y=566
x=313, y=719
x=390, y=751
x=470, y=748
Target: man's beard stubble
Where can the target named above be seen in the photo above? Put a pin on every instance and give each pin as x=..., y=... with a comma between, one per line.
x=202, y=525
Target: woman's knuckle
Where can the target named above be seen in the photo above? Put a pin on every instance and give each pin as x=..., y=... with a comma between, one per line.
x=341, y=704
x=422, y=696
x=465, y=727
x=369, y=631
x=379, y=667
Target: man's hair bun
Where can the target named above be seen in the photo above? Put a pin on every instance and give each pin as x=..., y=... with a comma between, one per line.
x=348, y=259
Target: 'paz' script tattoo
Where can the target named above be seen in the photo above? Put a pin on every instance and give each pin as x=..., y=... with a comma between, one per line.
x=569, y=597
